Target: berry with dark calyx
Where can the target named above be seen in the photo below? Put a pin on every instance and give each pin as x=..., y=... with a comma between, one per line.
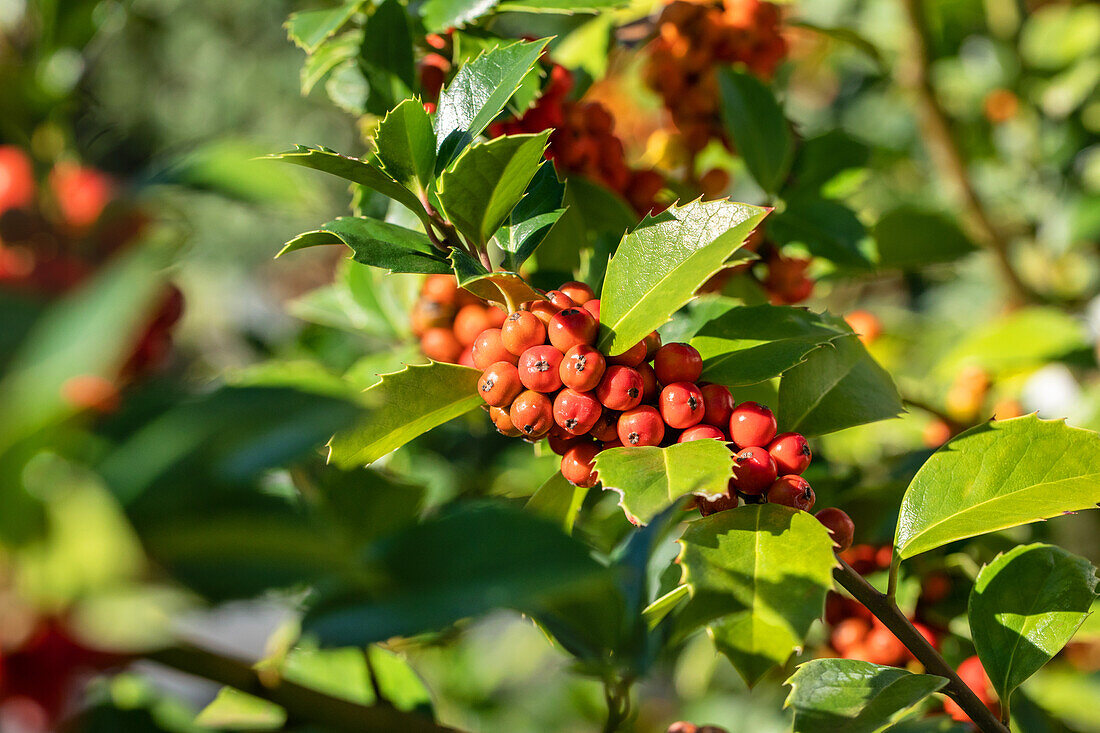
x=840, y=527
x=620, y=388
x=752, y=424
x=721, y=504
x=539, y=368
x=577, y=465
x=641, y=426
x=521, y=331
x=677, y=362
x=652, y=344
x=578, y=292
x=572, y=327
x=469, y=322
x=582, y=367
x=793, y=491
x=500, y=384
x=503, y=423
x=753, y=471
x=544, y=310
x=681, y=405
x=576, y=412
x=701, y=432
x=593, y=307
x=791, y=453
x=533, y=413
x=632, y=357
x=489, y=348
x=560, y=299
x=440, y=344
x=607, y=427
x=717, y=405
x=650, y=388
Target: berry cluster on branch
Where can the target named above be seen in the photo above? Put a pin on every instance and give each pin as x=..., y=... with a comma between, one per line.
x=448, y=319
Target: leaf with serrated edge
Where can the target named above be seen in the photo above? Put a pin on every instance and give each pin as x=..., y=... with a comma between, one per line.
x=405, y=144
x=649, y=479
x=402, y=406
x=377, y=244
x=532, y=219
x=758, y=576
x=327, y=57
x=756, y=123
x=506, y=288
x=558, y=500
x=1016, y=633
x=999, y=475
x=309, y=29
x=749, y=344
x=661, y=263
x=853, y=696
x=441, y=15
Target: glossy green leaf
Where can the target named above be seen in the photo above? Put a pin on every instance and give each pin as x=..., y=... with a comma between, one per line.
x=822, y=158
x=908, y=238
x=999, y=475
x=405, y=144
x=236, y=710
x=327, y=57
x=837, y=386
x=387, y=58
x=402, y=406
x=649, y=479
x=377, y=244
x=659, y=265
x=478, y=93
x=1017, y=631
x=853, y=696
x=309, y=29
x=749, y=344
x=480, y=189
x=498, y=286
x=566, y=7
x=442, y=15
x=758, y=577
x=558, y=500
x=532, y=218
x=756, y=123
x=1024, y=339
x=826, y=228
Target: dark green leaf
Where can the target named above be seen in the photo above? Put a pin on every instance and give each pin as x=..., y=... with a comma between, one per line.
x=821, y=158
x=387, y=57
x=909, y=238
x=826, y=228
x=309, y=29
x=756, y=123
x=405, y=144
x=376, y=243
x=558, y=500
x=533, y=217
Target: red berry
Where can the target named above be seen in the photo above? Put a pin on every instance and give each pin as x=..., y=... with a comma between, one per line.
x=544, y=310
x=701, y=432
x=500, y=384
x=652, y=344
x=717, y=405
x=607, y=427
x=470, y=321
x=578, y=292
x=753, y=471
x=677, y=363
x=440, y=288
x=973, y=674
x=561, y=441
x=620, y=388
x=532, y=413
x=572, y=327
x=521, y=331
x=681, y=405
x=466, y=358
x=721, y=504
x=593, y=307
x=538, y=368
x=503, y=423
x=793, y=491
x=641, y=426
x=609, y=444
x=791, y=453
x=582, y=368
x=575, y=411
x=840, y=527
x=440, y=344
x=632, y=357
x=497, y=316
x=560, y=299
x=489, y=348
x=16, y=178
x=752, y=424
x=650, y=388
x=578, y=464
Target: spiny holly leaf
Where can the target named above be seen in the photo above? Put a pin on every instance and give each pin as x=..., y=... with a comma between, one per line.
x=649, y=479
x=826, y=228
x=660, y=264
x=837, y=386
x=405, y=144
x=478, y=93
x=387, y=58
x=402, y=406
x=1024, y=607
x=853, y=696
x=999, y=475
x=563, y=7
x=758, y=128
x=558, y=500
x=758, y=577
x=356, y=171
x=908, y=238
x=533, y=217
x=441, y=15
x=505, y=288
x=750, y=344
x=487, y=180
x=376, y=243
x=327, y=57
x=310, y=28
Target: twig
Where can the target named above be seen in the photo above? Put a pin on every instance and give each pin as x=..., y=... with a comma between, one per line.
x=956, y=426
x=891, y=616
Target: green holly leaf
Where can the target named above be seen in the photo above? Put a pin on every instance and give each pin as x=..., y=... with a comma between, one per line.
x=402, y=406
x=309, y=29
x=749, y=344
x=755, y=121
x=659, y=265
x=999, y=475
x=487, y=180
x=853, y=696
x=649, y=479
x=826, y=228
x=441, y=15
x=386, y=57
x=498, y=286
x=560, y=7
x=837, y=386
x=533, y=217
x=909, y=238
x=758, y=576
x=356, y=171
x=377, y=244
x=405, y=145
x=328, y=56
x=478, y=93
x=558, y=500
x=820, y=159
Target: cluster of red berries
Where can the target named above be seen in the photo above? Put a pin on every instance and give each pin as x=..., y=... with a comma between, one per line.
x=693, y=39
x=447, y=320
x=784, y=278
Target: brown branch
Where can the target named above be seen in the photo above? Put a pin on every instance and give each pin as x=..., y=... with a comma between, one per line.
x=948, y=158
x=891, y=616
x=301, y=703
x=955, y=426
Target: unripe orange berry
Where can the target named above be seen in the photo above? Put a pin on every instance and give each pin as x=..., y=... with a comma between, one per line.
x=570, y=327
x=521, y=331
x=533, y=413
x=582, y=368
x=539, y=368
x=578, y=464
x=499, y=384
x=503, y=422
x=578, y=292
x=440, y=344
x=489, y=348
x=470, y=321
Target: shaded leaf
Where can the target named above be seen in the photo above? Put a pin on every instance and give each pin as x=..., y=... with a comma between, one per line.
x=908, y=238
x=558, y=500
x=826, y=228
x=377, y=244
x=756, y=123
x=498, y=286
x=386, y=57
x=821, y=158
x=533, y=217
x=309, y=29
x=405, y=144
x=1023, y=339
x=566, y=7
x=327, y=57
